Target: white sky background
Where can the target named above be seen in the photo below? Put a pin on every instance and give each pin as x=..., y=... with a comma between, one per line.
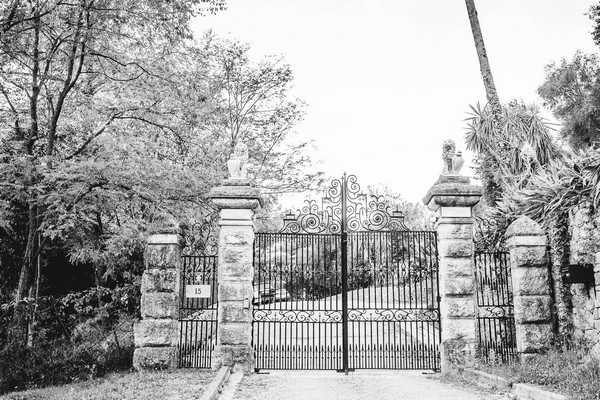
x=387, y=81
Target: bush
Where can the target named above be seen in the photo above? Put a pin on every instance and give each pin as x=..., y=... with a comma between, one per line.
x=76, y=337
x=317, y=284
x=563, y=370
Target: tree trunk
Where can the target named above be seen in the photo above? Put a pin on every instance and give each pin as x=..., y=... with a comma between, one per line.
x=484, y=63
x=559, y=253
x=20, y=322
x=28, y=257
x=492, y=190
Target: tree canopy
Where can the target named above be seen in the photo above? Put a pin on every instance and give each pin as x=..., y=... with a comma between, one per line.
x=113, y=119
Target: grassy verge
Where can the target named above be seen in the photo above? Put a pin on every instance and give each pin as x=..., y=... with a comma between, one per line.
x=560, y=371
x=159, y=385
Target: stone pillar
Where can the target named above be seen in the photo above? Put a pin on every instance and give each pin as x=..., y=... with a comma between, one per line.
x=156, y=335
x=454, y=197
x=526, y=243
x=236, y=200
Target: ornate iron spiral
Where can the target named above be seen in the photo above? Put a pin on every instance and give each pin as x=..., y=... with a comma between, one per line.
x=344, y=202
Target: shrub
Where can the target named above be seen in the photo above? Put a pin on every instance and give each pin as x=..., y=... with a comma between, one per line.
x=560, y=369
x=76, y=337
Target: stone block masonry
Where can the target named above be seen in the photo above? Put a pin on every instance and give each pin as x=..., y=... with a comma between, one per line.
x=526, y=243
x=156, y=335
x=582, y=251
x=596, y=319
x=454, y=197
x=236, y=200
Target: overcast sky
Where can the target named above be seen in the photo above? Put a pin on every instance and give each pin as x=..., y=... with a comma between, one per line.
x=387, y=81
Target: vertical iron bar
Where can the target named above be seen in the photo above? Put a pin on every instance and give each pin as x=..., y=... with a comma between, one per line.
x=344, y=276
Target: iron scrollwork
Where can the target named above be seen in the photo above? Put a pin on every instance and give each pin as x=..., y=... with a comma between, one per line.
x=395, y=315
x=344, y=208
x=274, y=315
x=495, y=312
x=207, y=314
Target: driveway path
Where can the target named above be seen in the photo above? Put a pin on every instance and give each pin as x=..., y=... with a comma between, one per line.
x=367, y=385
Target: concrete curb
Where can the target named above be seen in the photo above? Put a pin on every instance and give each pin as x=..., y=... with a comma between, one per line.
x=521, y=391
x=486, y=380
x=214, y=388
x=531, y=392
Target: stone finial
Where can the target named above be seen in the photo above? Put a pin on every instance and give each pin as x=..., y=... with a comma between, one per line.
x=237, y=164
x=453, y=160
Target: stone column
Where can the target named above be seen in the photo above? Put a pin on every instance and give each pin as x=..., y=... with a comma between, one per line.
x=526, y=243
x=236, y=200
x=454, y=197
x=156, y=335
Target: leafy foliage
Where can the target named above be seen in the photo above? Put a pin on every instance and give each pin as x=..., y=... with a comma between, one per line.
x=556, y=189
x=144, y=128
x=572, y=91
x=112, y=122
x=416, y=215
x=561, y=370
x=521, y=146
x=515, y=152
x=78, y=336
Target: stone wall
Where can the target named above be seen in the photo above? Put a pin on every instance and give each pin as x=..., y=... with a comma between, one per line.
x=583, y=250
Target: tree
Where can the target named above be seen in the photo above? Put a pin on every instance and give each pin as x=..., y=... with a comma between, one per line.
x=484, y=63
x=143, y=133
x=594, y=14
x=572, y=91
x=254, y=105
x=486, y=167
x=416, y=216
x=68, y=69
x=110, y=120
x=529, y=147
x=528, y=144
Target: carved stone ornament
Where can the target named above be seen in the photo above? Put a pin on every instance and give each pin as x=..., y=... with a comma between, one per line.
x=453, y=160
x=237, y=164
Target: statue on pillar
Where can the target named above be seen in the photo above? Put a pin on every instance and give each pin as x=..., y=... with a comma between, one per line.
x=237, y=164
x=453, y=160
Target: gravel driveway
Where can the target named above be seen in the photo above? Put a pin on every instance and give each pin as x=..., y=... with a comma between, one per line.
x=368, y=385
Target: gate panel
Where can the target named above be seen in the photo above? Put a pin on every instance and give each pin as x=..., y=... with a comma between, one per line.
x=394, y=319
x=197, y=316
x=297, y=317
x=495, y=320
x=346, y=285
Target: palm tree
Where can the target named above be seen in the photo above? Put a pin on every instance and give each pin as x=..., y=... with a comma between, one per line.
x=517, y=142
x=492, y=190
x=484, y=63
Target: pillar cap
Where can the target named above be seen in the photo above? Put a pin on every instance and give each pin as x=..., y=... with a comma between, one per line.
x=452, y=191
x=165, y=226
x=524, y=226
x=235, y=193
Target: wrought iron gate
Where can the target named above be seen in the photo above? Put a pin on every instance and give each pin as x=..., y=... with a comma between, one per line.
x=197, y=316
x=345, y=285
x=495, y=319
